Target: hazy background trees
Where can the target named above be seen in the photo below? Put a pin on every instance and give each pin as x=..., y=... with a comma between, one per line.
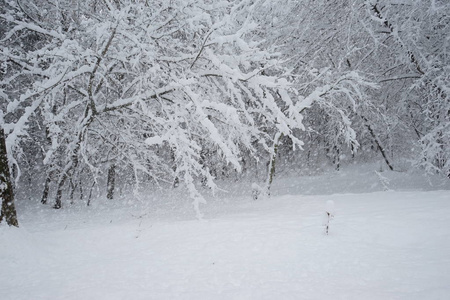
x=398, y=45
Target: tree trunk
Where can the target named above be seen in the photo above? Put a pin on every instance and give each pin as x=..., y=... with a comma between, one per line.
x=8, y=210
x=176, y=181
x=383, y=153
x=90, y=194
x=48, y=180
x=337, y=158
x=62, y=181
x=80, y=183
x=110, y=185
x=271, y=169
x=72, y=190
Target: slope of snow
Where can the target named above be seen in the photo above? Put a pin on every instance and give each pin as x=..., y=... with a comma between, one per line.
x=382, y=245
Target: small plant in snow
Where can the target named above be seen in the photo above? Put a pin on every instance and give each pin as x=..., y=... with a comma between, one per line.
x=329, y=215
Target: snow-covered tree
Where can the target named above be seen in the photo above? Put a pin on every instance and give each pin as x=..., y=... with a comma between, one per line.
x=182, y=91
x=148, y=86
x=400, y=45
x=414, y=32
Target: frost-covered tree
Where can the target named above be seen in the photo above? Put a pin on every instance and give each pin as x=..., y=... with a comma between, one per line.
x=151, y=88
x=185, y=91
x=320, y=42
x=414, y=34
x=400, y=45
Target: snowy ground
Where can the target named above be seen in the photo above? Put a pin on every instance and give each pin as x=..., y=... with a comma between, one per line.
x=392, y=244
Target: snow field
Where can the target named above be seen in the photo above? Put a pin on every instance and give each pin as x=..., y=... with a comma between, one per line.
x=382, y=245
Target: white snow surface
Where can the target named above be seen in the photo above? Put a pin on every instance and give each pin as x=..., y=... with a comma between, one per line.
x=382, y=245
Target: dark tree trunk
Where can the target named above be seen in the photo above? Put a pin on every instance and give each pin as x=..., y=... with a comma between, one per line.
x=48, y=180
x=337, y=158
x=80, y=183
x=72, y=190
x=110, y=185
x=8, y=211
x=380, y=148
x=176, y=181
x=58, y=202
x=90, y=194
x=271, y=166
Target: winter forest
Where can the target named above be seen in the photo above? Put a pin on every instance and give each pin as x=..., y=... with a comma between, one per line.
x=103, y=101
